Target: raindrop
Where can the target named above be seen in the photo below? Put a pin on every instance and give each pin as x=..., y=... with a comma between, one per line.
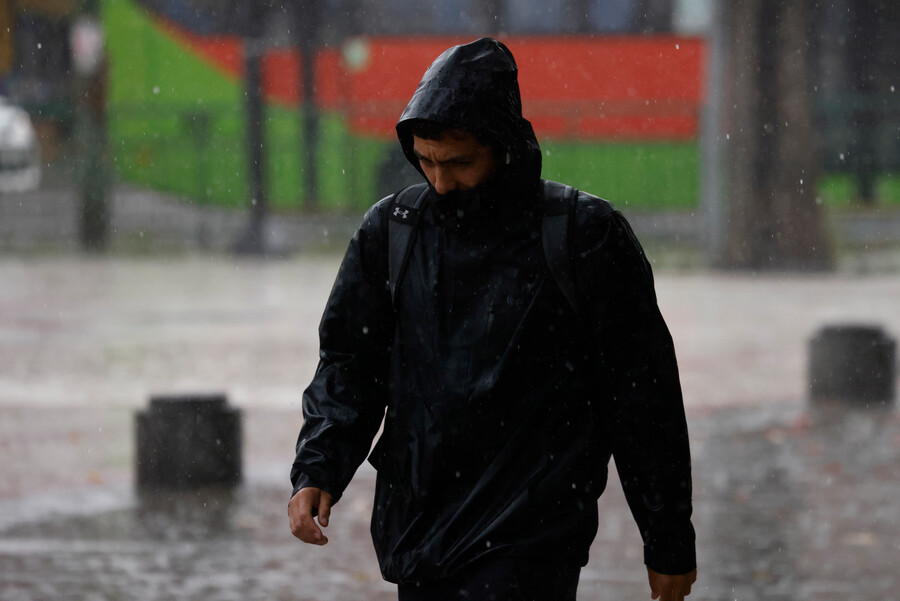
x=841, y=156
x=156, y=89
x=365, y=330
x=677, y=46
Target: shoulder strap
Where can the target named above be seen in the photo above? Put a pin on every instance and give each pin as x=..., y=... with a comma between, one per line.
x=403, y=218
x=559, y=217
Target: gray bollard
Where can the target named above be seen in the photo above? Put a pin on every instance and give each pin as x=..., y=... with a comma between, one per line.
x=188, y=441
x=855, y=363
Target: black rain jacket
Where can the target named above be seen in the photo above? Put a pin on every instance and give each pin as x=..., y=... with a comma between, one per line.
x=501, y=409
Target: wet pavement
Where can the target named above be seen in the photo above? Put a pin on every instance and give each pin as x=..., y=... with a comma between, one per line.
x=791, y=504
x=792, y=500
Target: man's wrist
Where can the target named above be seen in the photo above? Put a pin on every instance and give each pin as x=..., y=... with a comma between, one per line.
x=673, y=562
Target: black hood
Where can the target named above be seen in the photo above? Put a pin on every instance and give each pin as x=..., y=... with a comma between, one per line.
x=474, y=87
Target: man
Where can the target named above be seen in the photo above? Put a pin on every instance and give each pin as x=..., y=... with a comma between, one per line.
x=502, y=398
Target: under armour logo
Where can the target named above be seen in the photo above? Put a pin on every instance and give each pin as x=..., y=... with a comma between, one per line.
x=402, y=213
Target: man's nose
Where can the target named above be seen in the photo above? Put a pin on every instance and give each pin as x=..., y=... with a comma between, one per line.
x=443, y=181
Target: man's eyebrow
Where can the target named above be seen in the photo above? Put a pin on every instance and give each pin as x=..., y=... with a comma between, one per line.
x=452, y=159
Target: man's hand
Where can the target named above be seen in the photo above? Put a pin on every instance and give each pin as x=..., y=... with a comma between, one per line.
x=671, y=588
x=300, y=512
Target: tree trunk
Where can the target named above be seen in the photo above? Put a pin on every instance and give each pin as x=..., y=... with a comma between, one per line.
x=774, y=219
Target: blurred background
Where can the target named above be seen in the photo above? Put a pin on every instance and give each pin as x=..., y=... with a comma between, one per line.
x=178, y=180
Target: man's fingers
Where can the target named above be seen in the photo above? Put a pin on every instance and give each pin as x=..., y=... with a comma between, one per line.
x=324, y=508
x=671, y=587
x=300, y=514
x=306, y=530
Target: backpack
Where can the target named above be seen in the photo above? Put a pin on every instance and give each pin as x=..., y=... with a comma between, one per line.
x=559, y=215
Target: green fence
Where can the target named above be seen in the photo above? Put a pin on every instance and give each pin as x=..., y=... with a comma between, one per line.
x=199, y=151
x=177, y=124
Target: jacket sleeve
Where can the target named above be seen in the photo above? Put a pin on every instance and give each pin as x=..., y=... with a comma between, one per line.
x=344, y=404
x=646, y=423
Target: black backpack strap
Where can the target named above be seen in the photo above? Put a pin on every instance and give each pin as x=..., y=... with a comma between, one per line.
x=403, y=218
x=559, y=217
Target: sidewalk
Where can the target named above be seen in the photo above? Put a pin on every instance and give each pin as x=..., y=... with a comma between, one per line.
x=108, y=332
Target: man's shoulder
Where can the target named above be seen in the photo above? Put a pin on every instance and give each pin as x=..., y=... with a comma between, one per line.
x=405, y=196
x=377, y=215
x=588, y=207
x=594, y=221
x=381, y=207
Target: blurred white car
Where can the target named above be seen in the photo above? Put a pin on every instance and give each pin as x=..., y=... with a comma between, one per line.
x=20, y=156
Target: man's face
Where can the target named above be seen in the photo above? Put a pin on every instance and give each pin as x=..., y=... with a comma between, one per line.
x=457, y=161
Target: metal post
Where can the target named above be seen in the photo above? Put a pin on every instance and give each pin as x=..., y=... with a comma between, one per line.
x=863, y=41
x=711, y=143
x=253, y=240
x=90, y=110
x=307, y=31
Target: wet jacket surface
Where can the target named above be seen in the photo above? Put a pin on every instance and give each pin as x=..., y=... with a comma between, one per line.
x=501, y=409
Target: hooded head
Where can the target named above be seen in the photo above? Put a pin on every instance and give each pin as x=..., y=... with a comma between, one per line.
x=474, y=88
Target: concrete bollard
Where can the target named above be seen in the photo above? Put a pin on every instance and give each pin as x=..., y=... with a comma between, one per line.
x=854, y=363
x=188, y=441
